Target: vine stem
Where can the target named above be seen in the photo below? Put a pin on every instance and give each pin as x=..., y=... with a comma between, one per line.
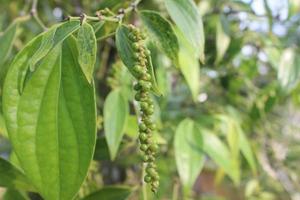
x=115, y=18
x=144, y=186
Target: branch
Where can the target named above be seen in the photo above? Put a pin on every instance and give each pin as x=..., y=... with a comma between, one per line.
x=114, y=18
x=34, y=15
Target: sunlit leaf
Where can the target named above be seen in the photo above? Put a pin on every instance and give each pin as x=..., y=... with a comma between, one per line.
x=188, y=19
x=187, y=146
x=288, y=70
x=115, y=118
x=222, y=37
x=220, y=154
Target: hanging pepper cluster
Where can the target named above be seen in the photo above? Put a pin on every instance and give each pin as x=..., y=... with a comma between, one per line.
x=146, y=125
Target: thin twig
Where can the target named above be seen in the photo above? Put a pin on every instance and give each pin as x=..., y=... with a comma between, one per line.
x=33, y=13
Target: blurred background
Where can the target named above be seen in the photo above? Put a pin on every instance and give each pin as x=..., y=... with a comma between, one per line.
x=245, y=99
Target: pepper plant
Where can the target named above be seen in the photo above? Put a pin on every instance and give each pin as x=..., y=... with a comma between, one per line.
x=104, y=100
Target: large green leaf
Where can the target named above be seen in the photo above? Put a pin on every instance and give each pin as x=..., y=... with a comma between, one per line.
x=188, y=19
x=126, y=53
x=11, y=177
x=219, y=153
x=110, y=193
x=41, y=46
x=6, y=41
x=52, y=124
x=87, y=47
x=222, y=37
x=115, y=118
x=162, y=32
x=188, y=143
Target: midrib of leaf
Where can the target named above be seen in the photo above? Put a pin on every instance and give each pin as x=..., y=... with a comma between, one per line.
x=39, y=113
x=74, y=60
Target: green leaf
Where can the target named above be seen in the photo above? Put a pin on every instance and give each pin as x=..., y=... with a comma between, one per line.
x=288, y=72
x=190, y=69
x=246, y=150
x=101, y=150
x=52, y=125
x=222, y=37
x=188, y=19
x=126, y=53
x=39, y=47
x=189, y=160
x=110, y=193
x=132, y=127
x=6, y=41
x=87, y=47
x=219, y=153
x=162, y=32
x=11, y=194
x=11, y=177
x=46, y=45
x=115, y=118
x=3, y=130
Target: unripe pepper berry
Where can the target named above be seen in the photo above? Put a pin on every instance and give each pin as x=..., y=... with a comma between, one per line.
x=143, y=86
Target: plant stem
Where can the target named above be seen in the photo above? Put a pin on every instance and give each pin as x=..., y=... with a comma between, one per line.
x=113, y=18
x=144, y=186
x=33, y=13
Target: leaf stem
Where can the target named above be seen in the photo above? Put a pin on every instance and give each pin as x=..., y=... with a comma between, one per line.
x=114, y=18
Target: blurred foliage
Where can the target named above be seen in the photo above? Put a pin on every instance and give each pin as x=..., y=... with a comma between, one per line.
x=243, y=100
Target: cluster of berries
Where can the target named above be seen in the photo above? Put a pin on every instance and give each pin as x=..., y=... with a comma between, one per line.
x=143, y=88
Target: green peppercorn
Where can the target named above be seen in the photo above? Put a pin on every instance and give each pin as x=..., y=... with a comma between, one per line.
x=143, y=147
x=152, y=165
x=143, y=137
x=150, y=171
x=144, y=105
x=142, y=127
x=147, y=77
x=147, y=179
x=137, y=69
x=137, y=97
x=154, y=148
x=136, y=46
x=145, y=158
x=155, y=184
x=149, y=111
x=152, y=126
